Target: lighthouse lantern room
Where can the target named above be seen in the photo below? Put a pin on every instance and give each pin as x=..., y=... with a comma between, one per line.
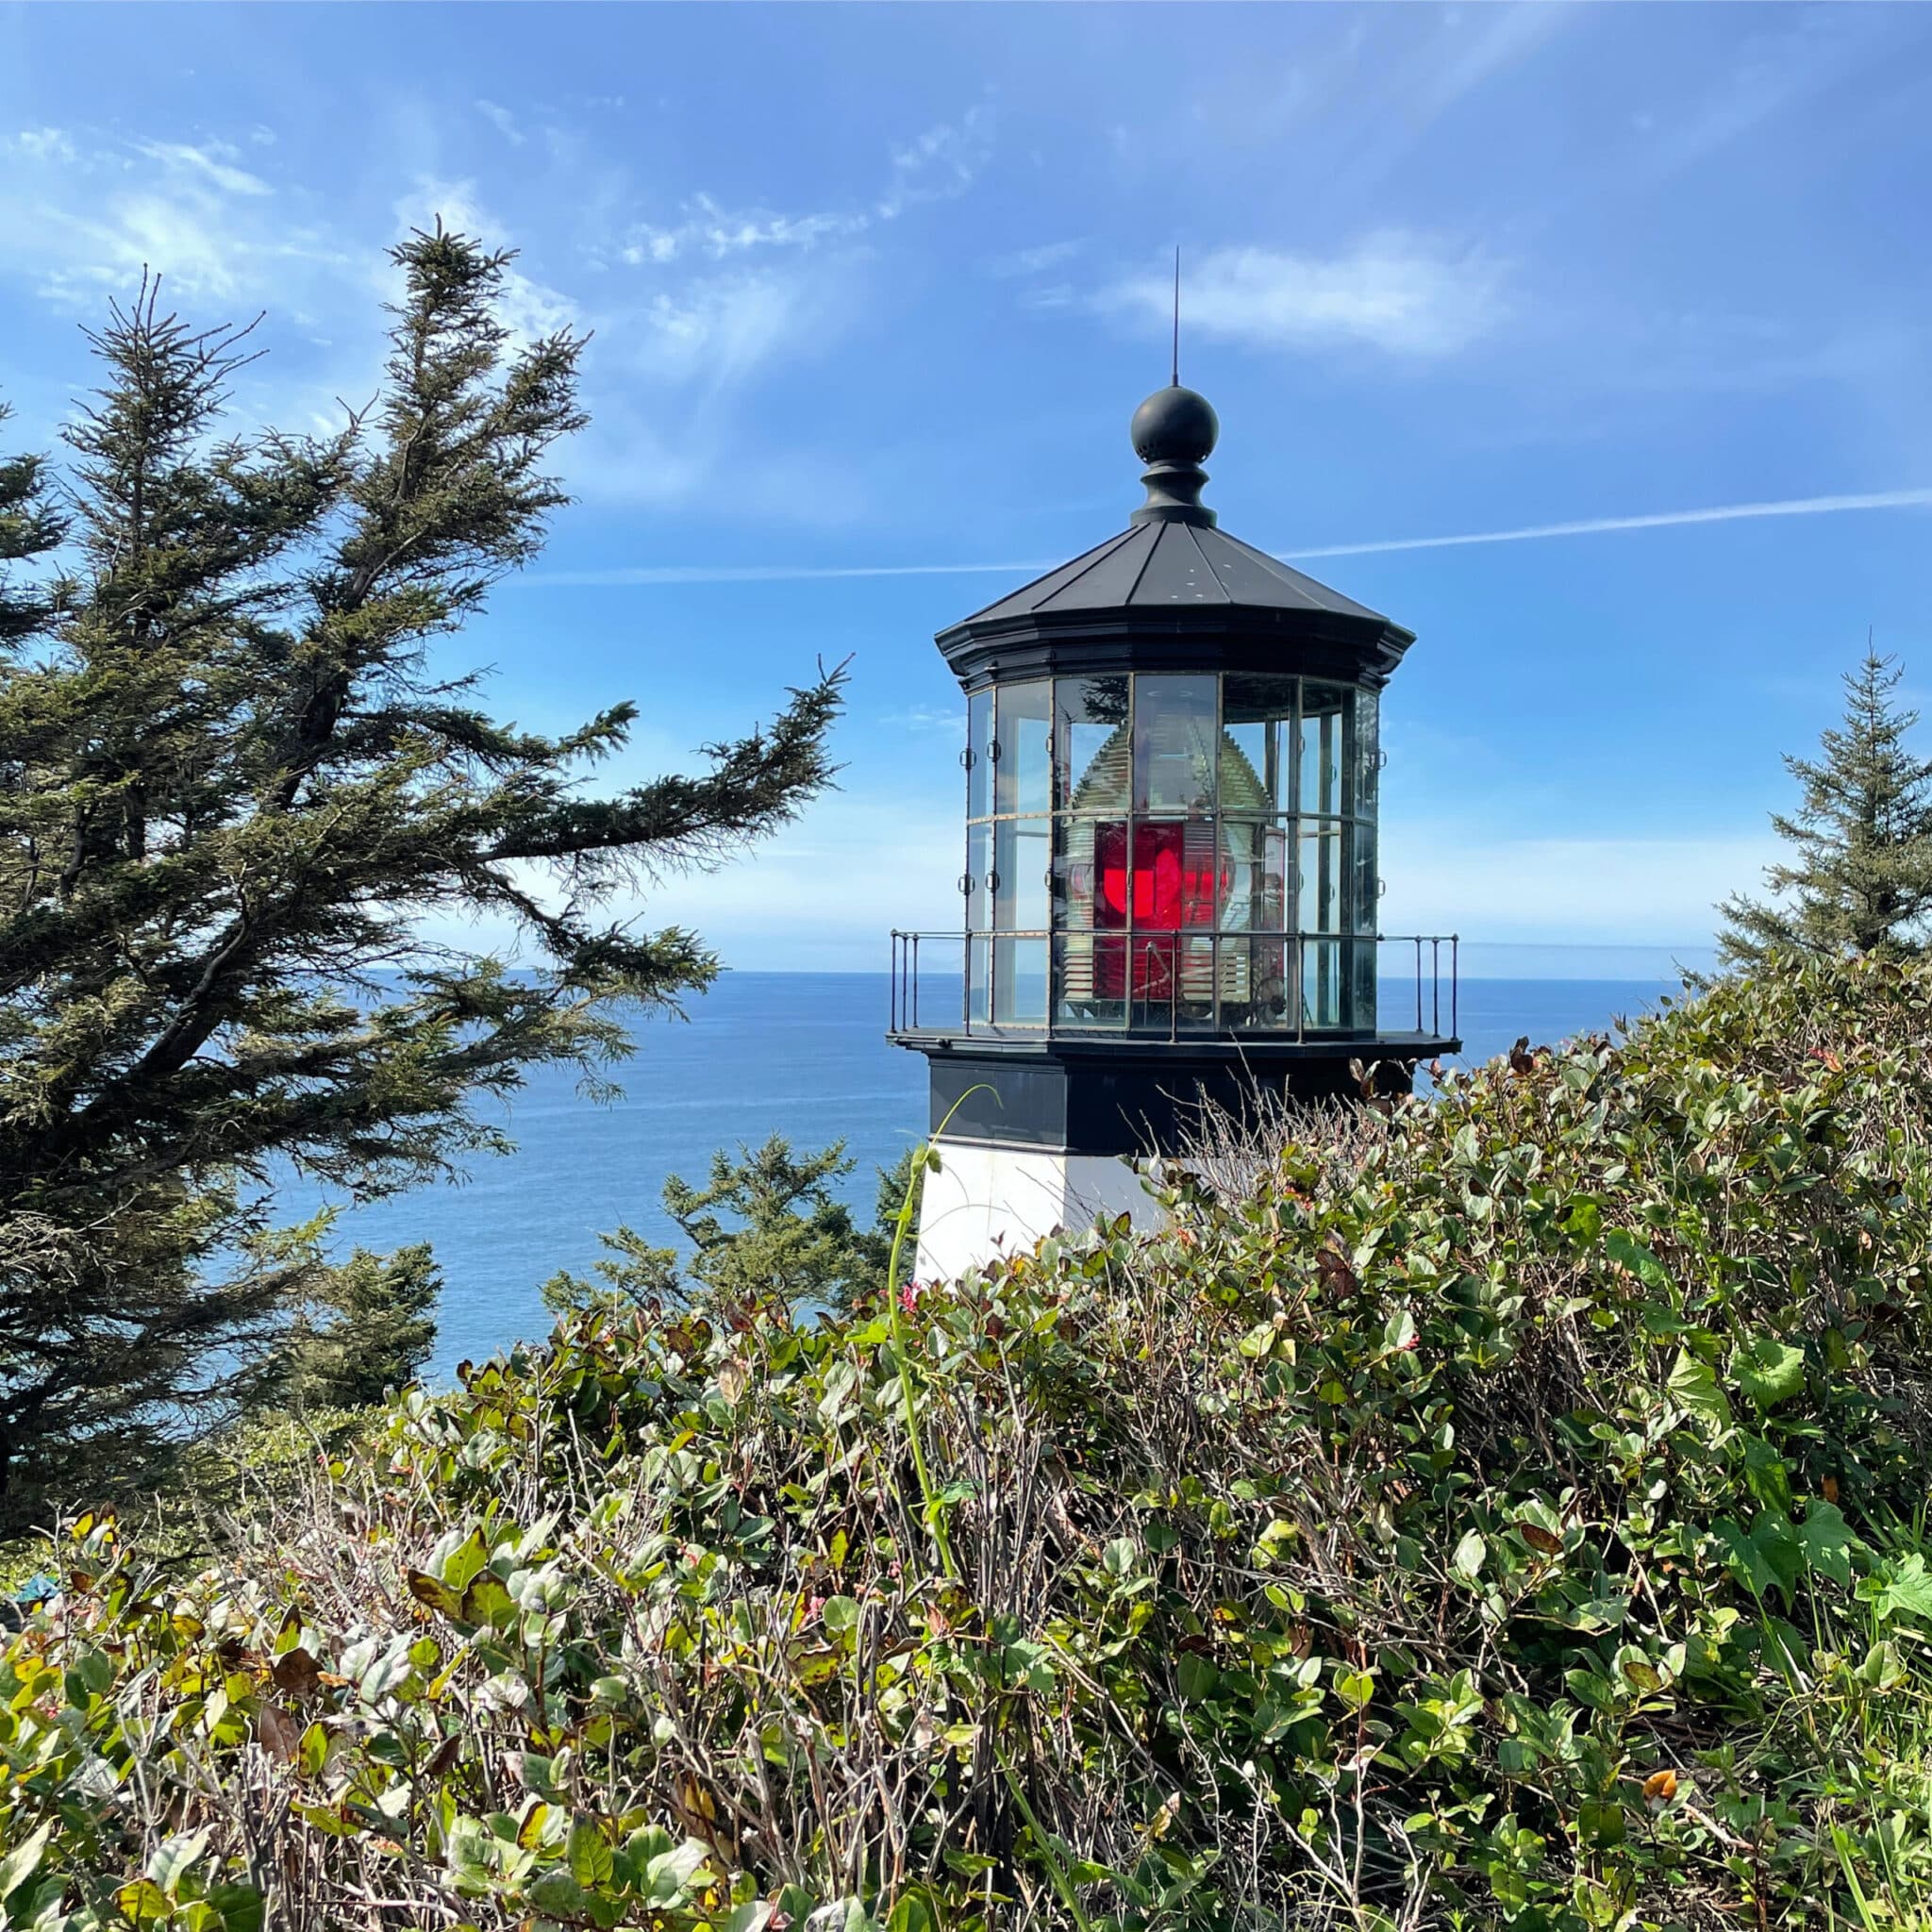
x=1170, y=885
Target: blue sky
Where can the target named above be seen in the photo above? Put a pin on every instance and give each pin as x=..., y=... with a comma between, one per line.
x=876, y=292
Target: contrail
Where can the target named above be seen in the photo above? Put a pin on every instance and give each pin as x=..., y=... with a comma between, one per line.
x=1662, y=520
x=1584, y=526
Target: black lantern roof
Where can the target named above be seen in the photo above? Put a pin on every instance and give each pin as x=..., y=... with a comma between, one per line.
x=1174, y=592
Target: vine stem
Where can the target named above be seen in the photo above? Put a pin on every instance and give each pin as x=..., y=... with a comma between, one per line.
x=927, y=1160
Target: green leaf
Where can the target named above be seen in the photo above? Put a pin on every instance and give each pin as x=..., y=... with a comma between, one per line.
x=839, y=1615
x=1196, y=1678
x=1623, y=1248
x=141, y=1900
x=1767, y=1371
x=1355, y=1688
x=1906, y=1585
x=1767, y=1557
x=176, y=1858
x=241, y=1906
x=1468, y=1560
x=385, y=1672
x=667, y=1875
x=432, y=1590
x=1693, y=1386
x=23, y=1861
x=557, y=1892
x=589, y=1853
x=487, y=1601
x=1827, y=1540
x=95, y=1671
x=465, y=1561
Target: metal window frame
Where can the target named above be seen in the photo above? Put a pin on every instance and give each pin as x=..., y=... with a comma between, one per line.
x=1347, y=821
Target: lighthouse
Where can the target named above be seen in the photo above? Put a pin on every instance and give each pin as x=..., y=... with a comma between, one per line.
x=1169, y=884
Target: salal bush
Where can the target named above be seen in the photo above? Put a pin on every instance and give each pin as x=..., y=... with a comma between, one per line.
x=1502, y=1509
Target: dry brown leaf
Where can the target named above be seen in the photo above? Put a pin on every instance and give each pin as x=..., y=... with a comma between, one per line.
x=297, y=1673
x=277, y=1733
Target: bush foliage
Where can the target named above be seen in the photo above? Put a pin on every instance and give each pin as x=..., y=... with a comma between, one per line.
x=1498, y=1510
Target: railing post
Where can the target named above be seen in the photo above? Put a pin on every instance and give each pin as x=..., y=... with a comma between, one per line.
x=915, y=982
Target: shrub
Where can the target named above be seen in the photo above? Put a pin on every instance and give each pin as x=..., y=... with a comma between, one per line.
x=1499, y=1510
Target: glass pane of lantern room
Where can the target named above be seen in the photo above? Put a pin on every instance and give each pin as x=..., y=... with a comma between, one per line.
x=1257, y=744
x=1254, y=876
x=978, y=879
x=1368, y=752
x=1324, y=785
x=1090, y=979
x=1019, y=982
x=1021, y=774
x=1091, y=749
x=1365, y=892
x=1318, y=908
x=978, y=981
x=1174, y=734
x=1259, y=997
x=1361, y=983
x=1021, y=854
x=979, y=755
x=1321, y=974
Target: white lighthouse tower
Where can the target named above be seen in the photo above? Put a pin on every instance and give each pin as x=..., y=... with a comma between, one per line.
x=1170, y=890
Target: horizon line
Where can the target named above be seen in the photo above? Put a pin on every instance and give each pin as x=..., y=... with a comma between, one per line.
x=642, y=575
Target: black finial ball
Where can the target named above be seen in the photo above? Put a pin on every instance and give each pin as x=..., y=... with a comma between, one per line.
x=1174, y=425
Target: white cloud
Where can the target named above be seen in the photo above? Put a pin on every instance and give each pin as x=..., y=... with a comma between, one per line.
x=214, y=162
x=503, y=121
x=943, y=162
x=715, y=232
x=1030, y=262
x=1395, y=293
x=720, y=330
x=86, y=215
x=39, y=145
x=949, y=722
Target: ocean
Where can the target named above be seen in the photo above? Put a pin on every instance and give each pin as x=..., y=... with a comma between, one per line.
x=798, y=1053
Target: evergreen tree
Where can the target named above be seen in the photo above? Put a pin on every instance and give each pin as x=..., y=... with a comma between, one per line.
x=382, y=1326
x=768, y=1228
x=1861, y=877
x=29, y=530
x=230, y=787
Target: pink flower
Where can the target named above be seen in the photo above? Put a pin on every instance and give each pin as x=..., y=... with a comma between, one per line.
x=909, y=1297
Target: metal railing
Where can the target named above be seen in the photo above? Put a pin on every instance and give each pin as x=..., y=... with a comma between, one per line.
x=1209, y=983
